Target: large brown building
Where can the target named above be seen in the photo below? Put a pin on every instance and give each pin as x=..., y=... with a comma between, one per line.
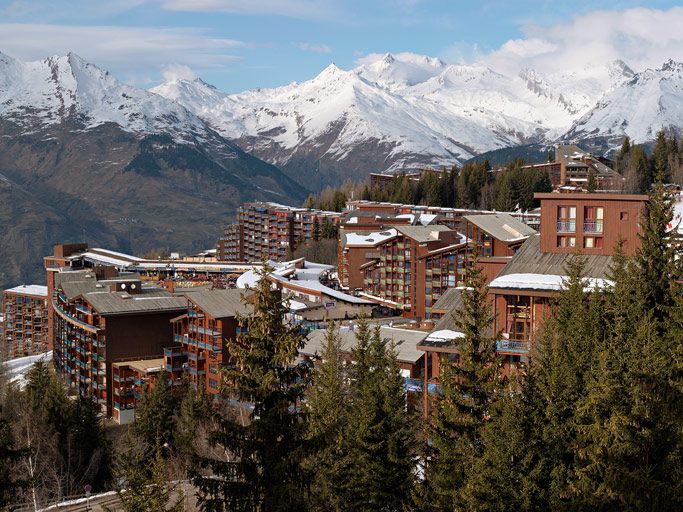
x=523, y=291
x=97, y=322
x=201, y=334
x=414, y=267
x=25, y=321
x=271, y=230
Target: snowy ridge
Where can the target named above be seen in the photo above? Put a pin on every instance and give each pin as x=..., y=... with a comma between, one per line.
x=648, y=102
x=410, y=104
x=62, y=87
x=16, y=369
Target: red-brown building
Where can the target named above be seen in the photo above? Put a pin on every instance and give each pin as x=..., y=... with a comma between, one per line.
x=130, y=379
x=201, y=334
x=25, y=321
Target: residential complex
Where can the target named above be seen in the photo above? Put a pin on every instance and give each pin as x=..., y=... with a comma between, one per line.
x=271, y=230
x=573, y=167
x=25, y=326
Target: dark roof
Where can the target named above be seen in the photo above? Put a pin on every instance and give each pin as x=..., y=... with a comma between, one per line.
x=501, y=226
x=220, y=303
x=450, y=300
x=421, y=234
x=530, y=260
x=146, y=301
x=73, y=289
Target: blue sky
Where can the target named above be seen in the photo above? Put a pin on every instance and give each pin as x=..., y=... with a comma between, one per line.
x=241, y=44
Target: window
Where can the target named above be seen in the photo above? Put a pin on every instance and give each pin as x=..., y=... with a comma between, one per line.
x=592, y=219
x=566, y=241
x=566, y=219
x=623, y=216
x=518, y=318
x=592, y=242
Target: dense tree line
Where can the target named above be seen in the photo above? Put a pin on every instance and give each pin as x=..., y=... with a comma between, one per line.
x=639, y=169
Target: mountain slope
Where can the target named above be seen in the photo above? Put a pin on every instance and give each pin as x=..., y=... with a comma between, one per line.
x=118, y=166
x=396, y=112
x=650, y=101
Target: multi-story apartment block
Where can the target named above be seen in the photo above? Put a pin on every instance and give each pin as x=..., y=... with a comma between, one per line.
x=130, y=379
x=496, y=238
x=523, y=291
x=97, y=322
x=202, y=332
x=414, y=267
x=270, y=229
x=25, y=321
x=573, y=166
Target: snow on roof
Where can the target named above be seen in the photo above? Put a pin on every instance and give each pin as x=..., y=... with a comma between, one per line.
x=29, y=289
x=548, y=282
x=444, y=335
x=427, y=218
x=371, y=239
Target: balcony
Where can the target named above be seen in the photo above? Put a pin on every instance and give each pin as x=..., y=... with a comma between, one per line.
x=592, y=226
x=516, y=347
x=566, y=226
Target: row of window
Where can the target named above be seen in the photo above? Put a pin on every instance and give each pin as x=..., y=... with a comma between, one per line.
x=589, y=242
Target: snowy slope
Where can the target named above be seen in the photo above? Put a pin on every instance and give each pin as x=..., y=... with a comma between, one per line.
x=51, y=90
x=650, y=101
x=410, y=109
x=17, y=368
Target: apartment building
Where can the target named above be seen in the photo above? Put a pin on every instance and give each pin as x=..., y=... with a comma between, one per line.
x=25, y=325
x=414, y=267
x=201, y=335
x=270, y=229
x=99, y=321
x=573, y=166
x=129, y=381
x=496, y=238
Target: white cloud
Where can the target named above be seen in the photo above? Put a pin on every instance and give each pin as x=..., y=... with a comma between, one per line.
x=306, y=9
x=313, y=47
x=640, y=37
x=178, y=72
x=128, y=51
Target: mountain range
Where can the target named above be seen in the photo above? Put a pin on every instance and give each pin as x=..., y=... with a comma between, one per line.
x=84, y=156
x=405, y=111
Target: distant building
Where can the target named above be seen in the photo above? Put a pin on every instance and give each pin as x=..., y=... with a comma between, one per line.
x=25, y=325
x=573, y=166
x=271, y=230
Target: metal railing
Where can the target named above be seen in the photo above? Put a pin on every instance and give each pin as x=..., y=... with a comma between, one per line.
x=566, y=226
x=521, y=347
x=592, y=226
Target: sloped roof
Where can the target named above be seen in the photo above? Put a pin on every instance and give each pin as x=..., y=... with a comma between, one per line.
x=220, y=303
x=450, y=300
x=147, y=301
x=502, y=226
x=421, y=234
x=404, y=340
x=530, y=260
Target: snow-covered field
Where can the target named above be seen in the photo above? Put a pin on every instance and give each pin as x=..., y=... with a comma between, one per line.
x=16, y=368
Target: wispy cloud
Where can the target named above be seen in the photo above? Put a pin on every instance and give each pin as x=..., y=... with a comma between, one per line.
x=305, y=9
x=641, y=37
x=127, y=51
x=313, y=47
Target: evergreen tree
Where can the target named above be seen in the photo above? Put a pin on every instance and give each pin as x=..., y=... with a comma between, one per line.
x=144, y=481
x=660, y=158
x=195, y=410
x=328, y=409
x=316, y=229
x=155, y=414
x=592, y=185
x=260, y=463
x=378, y=458
x=11, y=483
x=468, y=385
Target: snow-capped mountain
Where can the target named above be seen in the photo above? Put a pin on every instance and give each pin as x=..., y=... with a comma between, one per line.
x=650, y=101
x=396, y=112
x=52, y=90
x=84, y=156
